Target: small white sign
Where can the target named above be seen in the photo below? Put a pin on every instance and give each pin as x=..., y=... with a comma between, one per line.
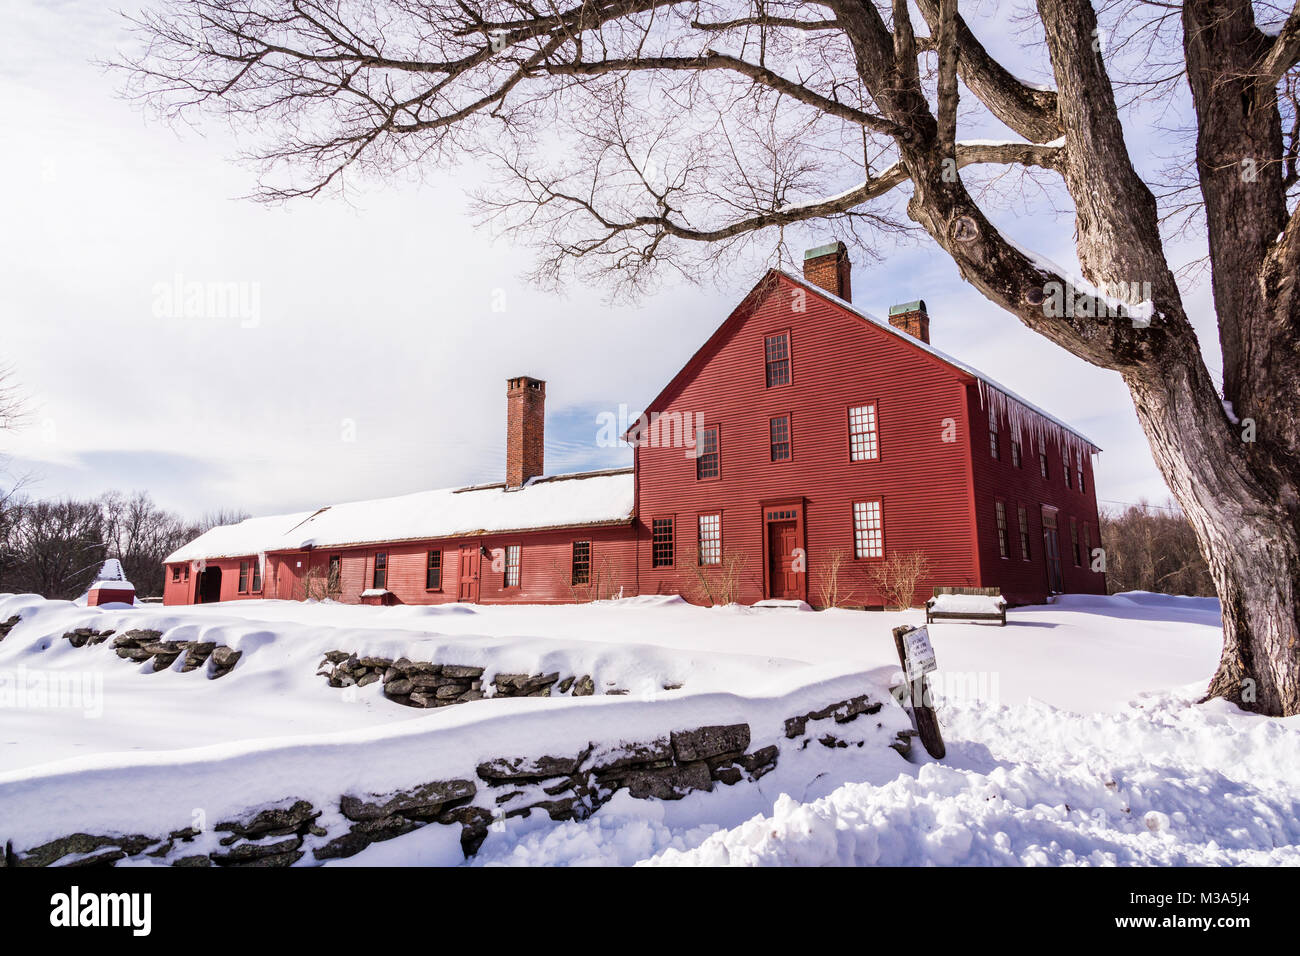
x=919, y=653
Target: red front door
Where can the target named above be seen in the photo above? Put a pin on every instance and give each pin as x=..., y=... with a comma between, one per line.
x=782, y=575
x=469, y=566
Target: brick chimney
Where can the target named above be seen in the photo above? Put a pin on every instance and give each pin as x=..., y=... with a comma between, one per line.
x=525, y=428
x=828, y=267
x=911, y=317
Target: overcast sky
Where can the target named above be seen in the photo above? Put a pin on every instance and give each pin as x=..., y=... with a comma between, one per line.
x=372, y=356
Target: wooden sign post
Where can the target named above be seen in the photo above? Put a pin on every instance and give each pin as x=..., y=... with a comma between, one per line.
x=917, y=657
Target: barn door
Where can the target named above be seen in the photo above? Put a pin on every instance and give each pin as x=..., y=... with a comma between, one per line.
x=210, y=585
x=289, y=577
x=469, y=573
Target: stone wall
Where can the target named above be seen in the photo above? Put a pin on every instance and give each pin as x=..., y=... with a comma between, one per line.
x=9, y=625
x=144, y=645
x=566, y=786
x=426, y=684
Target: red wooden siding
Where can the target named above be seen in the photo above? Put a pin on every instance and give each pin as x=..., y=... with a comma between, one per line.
x=837, y=361
x=545, y=567
x=1025, y=582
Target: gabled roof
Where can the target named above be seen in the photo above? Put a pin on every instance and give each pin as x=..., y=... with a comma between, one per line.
x=588, y=499
x=760, y=291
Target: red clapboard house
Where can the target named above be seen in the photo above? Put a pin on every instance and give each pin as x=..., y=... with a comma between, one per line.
x=804, y=446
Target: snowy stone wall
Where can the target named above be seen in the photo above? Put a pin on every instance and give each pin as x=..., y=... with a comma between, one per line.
x=566, y=786
x=142, y=645
x=429, y=684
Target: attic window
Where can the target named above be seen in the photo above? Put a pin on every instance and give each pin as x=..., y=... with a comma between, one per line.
x=777, y=350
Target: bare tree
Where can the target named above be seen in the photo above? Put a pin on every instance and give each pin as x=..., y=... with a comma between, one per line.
x=830, y=591
x=898, y=577
x=720, y=584
x=219, y=517
x=141, y=535
x=57, y=547
x=638, y=137
x=1153, y=548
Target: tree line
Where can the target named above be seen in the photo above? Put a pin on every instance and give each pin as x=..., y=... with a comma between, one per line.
x=55, y=547
x=1153, y=548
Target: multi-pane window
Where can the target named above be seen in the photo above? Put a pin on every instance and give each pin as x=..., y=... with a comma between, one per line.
x=1022, y=516
x=993, y=434
x=868, y=530
x=379, y=581
x=433, y=571
x=1074, y=542
x=512, y=566
x=779, y=433
x=777, y=350
x=176, y=573
x=1000, y=510
x=1087, y=543
x=581, y=567
x=257, y=575
x=1079, y=472
x=187, y=572
x=864, y=441
x=1065, y=467
x=334, y=582
x=707, y=464
x=710, y=539
x=1042, y=463
x=661, y=543
x=243, y=577
x=1015, y=454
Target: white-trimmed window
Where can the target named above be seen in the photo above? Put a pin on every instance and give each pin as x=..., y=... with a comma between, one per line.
x=512, y=566
x=864, y=440
x=710, y=539
x=868, y=529
x=993, y=434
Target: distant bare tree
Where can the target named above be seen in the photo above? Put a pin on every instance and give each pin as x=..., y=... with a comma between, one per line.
x=58, y=546
x=1150, y=548
x=141, y=535
x=219, y=517
x=641, y=138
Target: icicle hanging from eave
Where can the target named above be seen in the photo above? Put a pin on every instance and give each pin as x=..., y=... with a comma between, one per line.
x=1022, y=420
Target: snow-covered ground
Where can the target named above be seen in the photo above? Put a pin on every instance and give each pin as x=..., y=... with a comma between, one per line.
x=1073, y=736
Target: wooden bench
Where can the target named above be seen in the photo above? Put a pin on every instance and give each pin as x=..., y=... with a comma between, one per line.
x=999, y=615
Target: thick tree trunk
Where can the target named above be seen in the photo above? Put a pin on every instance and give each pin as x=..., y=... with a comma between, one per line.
x=1249, y=537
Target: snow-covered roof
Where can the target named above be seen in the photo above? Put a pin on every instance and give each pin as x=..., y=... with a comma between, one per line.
x=562, y=501
x=986, y=382
x=250, y=536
